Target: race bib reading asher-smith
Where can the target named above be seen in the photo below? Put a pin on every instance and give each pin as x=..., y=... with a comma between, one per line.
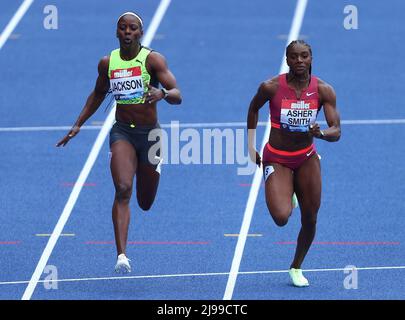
x=297, y=115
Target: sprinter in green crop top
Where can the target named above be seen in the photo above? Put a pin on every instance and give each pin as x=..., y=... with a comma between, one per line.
x=132, y=74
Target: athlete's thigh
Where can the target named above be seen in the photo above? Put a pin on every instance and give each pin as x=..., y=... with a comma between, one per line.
x=147, y=181
x=123, y=163
x=308, y=184
x=278, y=187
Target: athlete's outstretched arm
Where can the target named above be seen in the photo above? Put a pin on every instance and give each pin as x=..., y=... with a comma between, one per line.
x=94, y=100
x=260, y=98
x=328, y=100
x=158, y=65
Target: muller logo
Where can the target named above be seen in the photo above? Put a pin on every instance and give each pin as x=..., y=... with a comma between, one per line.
x=126, y=73
x=300, y=105
x=122, y=74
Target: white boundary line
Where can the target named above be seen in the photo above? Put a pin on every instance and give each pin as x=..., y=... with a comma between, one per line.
x=184, y=275
x=14, y=21
x=254, y=190
x=157, y=18
x=201, y=125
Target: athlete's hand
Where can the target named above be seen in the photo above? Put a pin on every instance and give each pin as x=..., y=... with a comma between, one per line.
x=315, y=130
x=74, y=131
x=153, y=95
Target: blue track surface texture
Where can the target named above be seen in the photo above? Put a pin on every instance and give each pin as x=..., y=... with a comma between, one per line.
x=183, y=248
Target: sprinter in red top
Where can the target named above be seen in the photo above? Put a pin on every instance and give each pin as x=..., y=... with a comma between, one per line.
x=290, y=162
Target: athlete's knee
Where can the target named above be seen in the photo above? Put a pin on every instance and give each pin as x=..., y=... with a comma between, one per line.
x=280, y=214
x=145, y=205
x=123, y=191
x=281, y=221
x=308, y=221
x=144, y=201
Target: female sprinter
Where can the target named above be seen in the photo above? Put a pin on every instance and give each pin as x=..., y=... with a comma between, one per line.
x=290, y=161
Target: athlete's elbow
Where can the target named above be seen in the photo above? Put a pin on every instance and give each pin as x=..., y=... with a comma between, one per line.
x=178, y=100
x=174, y=96
x=337, y=136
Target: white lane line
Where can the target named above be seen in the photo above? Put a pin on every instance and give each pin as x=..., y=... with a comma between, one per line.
x=14, y=21
x=46, y=128
x=372, y=121
x=257, y=179
x=202, y=125
x=68, y=207
x=157, y=18
x=209, y=274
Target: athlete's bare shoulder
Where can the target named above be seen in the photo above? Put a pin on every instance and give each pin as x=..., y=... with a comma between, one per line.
x=269, y=87
x=103, y=65
x=155, y=55
x=156, y=61
x=326, y=91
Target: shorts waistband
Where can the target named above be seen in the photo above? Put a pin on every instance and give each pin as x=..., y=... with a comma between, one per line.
x=289, y=153
x=275, y=125
x=137, y=126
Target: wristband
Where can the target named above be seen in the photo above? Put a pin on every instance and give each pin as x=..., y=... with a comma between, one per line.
x=165, y=93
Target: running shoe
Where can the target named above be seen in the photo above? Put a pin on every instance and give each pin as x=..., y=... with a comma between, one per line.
x=297, y=278
x=122, y=265
x=294, y=200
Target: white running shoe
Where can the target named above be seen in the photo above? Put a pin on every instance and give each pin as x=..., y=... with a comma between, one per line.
x=294, y=200
x=122, y=265
x=297, y=278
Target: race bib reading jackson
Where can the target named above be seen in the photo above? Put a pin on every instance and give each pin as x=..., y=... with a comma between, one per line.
x=298, y=115
x=127, y=84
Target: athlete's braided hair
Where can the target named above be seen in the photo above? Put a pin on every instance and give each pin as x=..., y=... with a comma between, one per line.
x=302, y=42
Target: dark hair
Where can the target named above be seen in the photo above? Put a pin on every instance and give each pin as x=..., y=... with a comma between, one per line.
x=302, y=42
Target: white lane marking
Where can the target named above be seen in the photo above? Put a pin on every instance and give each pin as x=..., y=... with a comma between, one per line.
x=257, y=179
x=157, y=18
x=202, y=125
x=14, y=21
x=208, y=274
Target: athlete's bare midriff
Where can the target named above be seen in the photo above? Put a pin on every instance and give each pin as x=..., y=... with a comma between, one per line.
x=289, y=141
x=141, y=114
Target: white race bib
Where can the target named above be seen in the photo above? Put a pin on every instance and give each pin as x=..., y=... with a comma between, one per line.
x=268, y=171
x=127, y=84
x=297, y=115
